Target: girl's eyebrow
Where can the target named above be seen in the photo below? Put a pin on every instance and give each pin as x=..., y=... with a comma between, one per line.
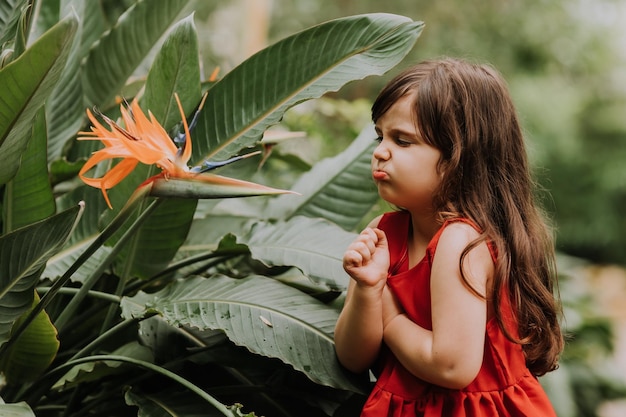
x=399, y=132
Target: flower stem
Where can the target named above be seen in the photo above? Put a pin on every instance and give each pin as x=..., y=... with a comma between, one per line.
x=71, y=307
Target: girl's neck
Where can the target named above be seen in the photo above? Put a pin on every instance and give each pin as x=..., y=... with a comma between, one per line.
x=423, y=228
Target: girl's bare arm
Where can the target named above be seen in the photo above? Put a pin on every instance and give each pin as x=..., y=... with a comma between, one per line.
x=451, y=354
x=359, y=329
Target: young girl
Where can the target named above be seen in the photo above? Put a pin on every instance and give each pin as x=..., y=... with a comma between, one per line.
x=451, y=301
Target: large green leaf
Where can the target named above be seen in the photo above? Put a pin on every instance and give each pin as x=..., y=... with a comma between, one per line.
x=28, y=196
x=84, y=234
x=267, y=317
x=117, y=54
x=33, y=351
x=156, y=243
x=65, y=110
x=20, y=409
x=176, y=69
x=314, y=245
x=339, y=189
x=207, y=231
x=10, y=11
x=63, y=260
x=23, y=254
x=254, y=95
x=25, y=84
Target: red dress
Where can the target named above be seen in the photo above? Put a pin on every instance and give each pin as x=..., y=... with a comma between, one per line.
x=503, y=387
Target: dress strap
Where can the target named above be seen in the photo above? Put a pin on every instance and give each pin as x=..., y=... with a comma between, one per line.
x=435, y=240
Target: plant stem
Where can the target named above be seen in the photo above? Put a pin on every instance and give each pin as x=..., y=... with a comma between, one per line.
x=71, y=307
x=142, y=364
x=95, y=294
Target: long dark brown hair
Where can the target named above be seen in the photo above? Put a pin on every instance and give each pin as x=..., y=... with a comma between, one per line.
x=465, y=110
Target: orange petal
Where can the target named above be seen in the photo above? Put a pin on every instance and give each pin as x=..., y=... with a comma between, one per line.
x=213, y=76
x=113, y=177
x=151, y=132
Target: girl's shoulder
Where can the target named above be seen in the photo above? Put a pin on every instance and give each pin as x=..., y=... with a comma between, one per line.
x=460, y=228
x=456, y=230
x=452, y=249
x=455, y=235
x=461, y=231
x=461, y=223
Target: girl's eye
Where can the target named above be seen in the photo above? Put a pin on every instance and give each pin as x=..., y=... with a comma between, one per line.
x=402, y=142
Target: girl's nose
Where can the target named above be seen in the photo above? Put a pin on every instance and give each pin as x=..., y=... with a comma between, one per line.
x=381, y=152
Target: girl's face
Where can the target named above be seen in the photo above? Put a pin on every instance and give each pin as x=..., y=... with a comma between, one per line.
x=404, y=167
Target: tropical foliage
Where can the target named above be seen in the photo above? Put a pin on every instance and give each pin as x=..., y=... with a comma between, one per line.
x=174, y=305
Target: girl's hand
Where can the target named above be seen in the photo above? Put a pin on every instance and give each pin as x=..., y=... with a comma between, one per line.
x=359, y=328
x=391, y=307
x=367, y=258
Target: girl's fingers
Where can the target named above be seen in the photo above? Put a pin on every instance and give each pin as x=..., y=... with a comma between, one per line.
x=352, y=259
x=365, y=248
x=381, y=238
x=369, y=238
x=358, y=253
x=362, y=249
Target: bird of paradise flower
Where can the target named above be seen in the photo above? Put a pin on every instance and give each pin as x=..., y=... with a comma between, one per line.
x=144, y=140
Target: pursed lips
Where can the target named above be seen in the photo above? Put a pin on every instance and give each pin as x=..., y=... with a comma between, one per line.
x=379, y=174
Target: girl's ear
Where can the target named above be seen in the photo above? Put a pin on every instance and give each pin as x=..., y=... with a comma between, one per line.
x=441, y=167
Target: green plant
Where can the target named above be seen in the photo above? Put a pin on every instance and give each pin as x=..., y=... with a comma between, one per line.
x=587, y=376
x=173, y=303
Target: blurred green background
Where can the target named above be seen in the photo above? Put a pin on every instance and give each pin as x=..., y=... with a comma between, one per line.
x=565, y=62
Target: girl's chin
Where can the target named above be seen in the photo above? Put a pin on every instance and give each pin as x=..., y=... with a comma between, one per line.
x=385, y=194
